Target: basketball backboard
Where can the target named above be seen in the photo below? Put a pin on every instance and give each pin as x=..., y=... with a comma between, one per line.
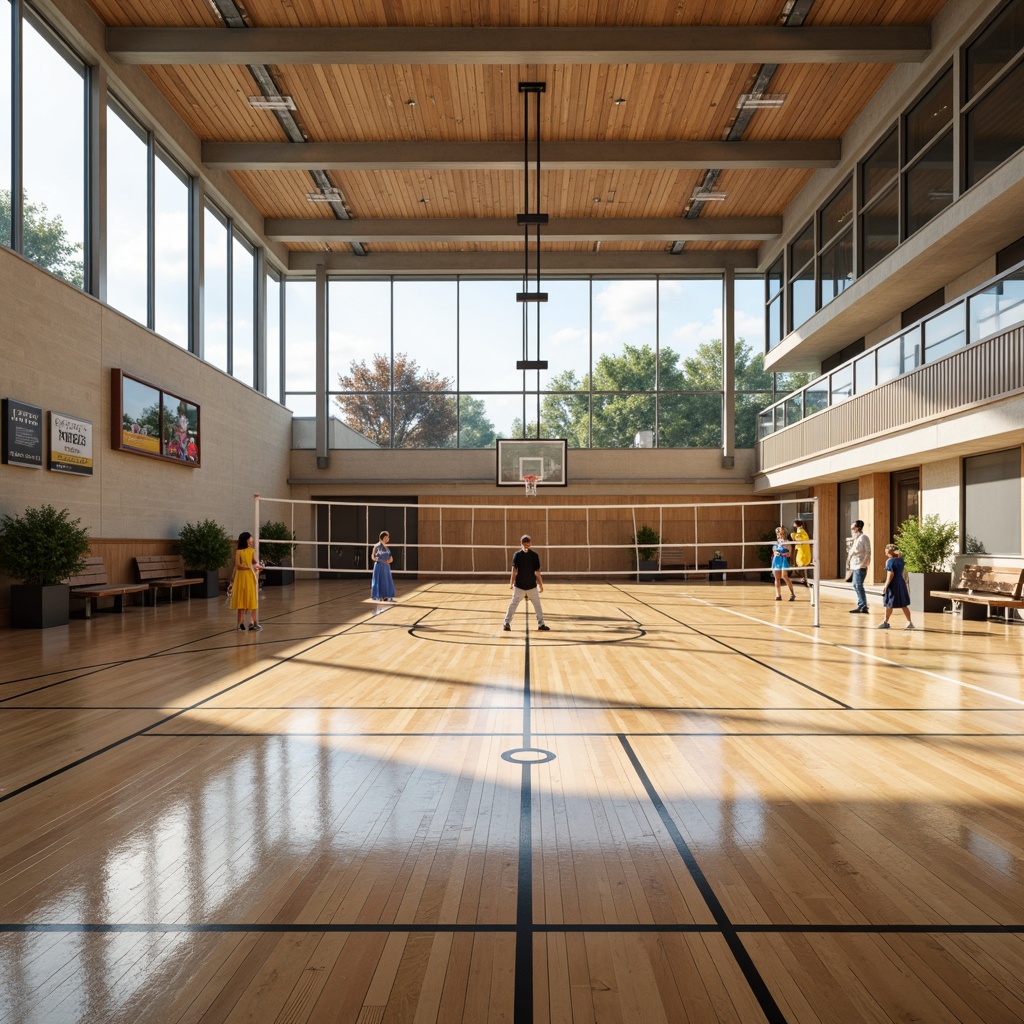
x=519, y=458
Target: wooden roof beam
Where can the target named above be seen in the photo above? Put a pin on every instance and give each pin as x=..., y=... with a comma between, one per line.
x=508, y=156
x=485, y=229
x=510, y=265
x=612, y=44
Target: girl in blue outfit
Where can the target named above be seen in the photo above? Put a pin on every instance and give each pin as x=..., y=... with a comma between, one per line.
x=780, y=563
x=895, y=594
x=382, y=588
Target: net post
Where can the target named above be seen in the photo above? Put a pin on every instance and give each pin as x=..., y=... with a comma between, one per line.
x=256, y=524
x=816, y=588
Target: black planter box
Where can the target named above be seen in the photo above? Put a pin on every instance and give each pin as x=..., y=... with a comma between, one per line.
x=210, y=587
x=278, y=576
x=39, y=607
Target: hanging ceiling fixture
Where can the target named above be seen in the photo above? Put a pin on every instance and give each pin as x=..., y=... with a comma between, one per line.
x=527, y=219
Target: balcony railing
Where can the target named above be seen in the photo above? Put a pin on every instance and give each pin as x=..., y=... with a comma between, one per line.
x=992, y=309
x=979, y=372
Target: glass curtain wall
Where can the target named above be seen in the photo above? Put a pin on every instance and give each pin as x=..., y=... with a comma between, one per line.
x=432, y=364
x=53, y=156
x=6, y=99
x=127, y=215
x=215, y=288
x=171, y=191
x=275, y=289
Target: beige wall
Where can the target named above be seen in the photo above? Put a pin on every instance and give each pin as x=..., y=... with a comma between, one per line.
x=57, y=348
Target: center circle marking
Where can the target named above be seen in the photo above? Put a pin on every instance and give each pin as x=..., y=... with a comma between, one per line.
x=522, y=755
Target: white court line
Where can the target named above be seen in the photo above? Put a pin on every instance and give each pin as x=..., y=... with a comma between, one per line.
x=862, y=654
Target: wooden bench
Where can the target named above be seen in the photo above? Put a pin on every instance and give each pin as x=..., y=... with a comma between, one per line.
x=672, y=558
x=991, y=585
x=163, y=571
x=91, y=584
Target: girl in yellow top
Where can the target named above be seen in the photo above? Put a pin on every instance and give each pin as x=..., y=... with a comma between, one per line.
x=244, y=591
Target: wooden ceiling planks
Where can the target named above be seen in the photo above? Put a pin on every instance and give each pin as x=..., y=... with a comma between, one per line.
x=462, y=103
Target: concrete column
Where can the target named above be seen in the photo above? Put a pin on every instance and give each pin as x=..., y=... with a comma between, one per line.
x=323, y=455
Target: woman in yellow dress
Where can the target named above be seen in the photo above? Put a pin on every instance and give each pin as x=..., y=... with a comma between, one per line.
x=244, y=591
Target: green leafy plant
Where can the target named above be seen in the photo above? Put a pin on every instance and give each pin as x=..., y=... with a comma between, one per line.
x=205, y=546
x=275, y=543
x=645, y=536
x=927, y=544
x=764, y=550
x=42, y=547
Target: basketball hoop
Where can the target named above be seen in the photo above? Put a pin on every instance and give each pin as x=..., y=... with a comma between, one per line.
x=531, y=486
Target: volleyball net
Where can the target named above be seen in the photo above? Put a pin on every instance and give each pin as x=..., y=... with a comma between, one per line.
x=671, y=541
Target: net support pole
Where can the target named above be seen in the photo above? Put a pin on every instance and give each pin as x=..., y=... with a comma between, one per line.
x=816, y=565
x=256, y=523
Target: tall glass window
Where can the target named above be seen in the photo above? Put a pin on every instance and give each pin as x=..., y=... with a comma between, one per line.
x=6, y=149
x=928, y=155
x=300, y=354
x=835, y=264
x=754, y=384
x=243, y=305
x=774, y=320
x=171, y=250
x=273, y=381
x=215, y=288
x=127, y=215
x=801, y=277
x=992, y=503
x=53, y=154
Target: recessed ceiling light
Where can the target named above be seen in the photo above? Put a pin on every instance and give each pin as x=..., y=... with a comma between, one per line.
x=766, y=99
x=327, y=195
x=620, y=101
x=597, y=199
x=708, y=197
x=410, y=103
x=424, y=199
x=271, y=103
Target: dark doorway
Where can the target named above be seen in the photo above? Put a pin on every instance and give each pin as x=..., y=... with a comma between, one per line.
x=905, y=488
x=849, y=513
x=348, y=532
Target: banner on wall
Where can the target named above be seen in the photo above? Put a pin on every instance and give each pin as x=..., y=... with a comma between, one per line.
x=22, y=434
x=70, y=444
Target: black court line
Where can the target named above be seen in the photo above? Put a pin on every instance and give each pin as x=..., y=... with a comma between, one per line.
x=742, y=654
x=743, y=959
x=597, y=928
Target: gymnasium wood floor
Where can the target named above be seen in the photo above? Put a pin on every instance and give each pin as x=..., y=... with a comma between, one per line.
x=684, y=803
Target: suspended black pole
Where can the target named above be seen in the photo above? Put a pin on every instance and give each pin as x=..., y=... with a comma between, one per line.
x=527, y=218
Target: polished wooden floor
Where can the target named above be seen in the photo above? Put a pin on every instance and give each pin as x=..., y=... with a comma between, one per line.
x=684, y=803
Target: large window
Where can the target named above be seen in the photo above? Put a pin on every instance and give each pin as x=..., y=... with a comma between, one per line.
x=835, y=262
x=275, y=288
x=801, y=277
x=53, y=154
x=171, y=250
x=300, y=354
x=928, y=155
x=215, y=288
x=127, y=215
x=880, y=201
x=992, y=503
x=6, y=149
x=631, y=363
x=243, y=305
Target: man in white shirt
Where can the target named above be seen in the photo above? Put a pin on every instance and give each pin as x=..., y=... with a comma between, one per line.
x=858, y=559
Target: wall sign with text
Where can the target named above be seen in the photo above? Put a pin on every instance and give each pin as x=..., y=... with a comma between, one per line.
x=70, y=444
x=147, y=420
x=22, y=434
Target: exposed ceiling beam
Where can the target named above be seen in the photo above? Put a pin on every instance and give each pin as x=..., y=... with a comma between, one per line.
x=510, y=264
x=618, y=44
x=508, y=156
x=496, y=229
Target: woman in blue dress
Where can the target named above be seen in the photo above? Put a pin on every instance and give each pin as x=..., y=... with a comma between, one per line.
x=895, y=593
x=781, y=555
x=382, y=588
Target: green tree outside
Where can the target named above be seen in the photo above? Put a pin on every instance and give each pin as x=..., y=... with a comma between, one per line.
x=44, y=240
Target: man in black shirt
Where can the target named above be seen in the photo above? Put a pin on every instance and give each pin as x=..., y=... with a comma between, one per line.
x=526, y=581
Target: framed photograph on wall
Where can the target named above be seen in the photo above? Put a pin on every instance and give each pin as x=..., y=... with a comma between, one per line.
x=147, y=420
x=544, y=459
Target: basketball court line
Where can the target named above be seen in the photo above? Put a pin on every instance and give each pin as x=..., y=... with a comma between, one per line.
x=859, y=653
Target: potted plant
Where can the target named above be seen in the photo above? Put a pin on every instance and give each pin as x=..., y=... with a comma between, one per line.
x=41, y=548
x=205, y=549
x=764, y=555
x=276, y=549
x=645, y=552
x=927, y=545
